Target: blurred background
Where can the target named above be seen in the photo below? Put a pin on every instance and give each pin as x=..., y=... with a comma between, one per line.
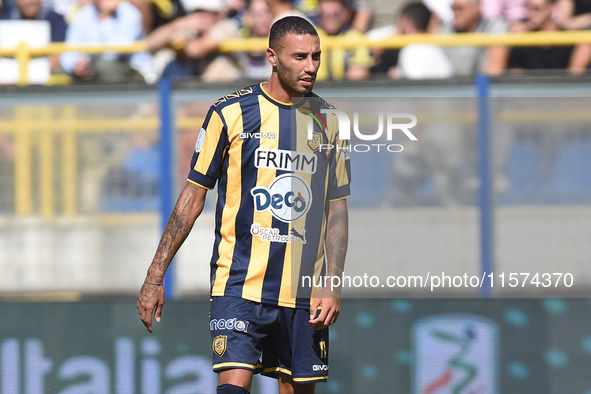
x=100, y=105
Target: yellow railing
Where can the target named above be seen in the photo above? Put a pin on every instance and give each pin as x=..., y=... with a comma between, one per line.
x=35, y=123
x=23, y=53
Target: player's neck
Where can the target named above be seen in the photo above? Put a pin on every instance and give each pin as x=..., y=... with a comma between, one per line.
x=278, y=92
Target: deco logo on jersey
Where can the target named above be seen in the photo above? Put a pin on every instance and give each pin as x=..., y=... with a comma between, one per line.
x=287, y=160
x=288, y=197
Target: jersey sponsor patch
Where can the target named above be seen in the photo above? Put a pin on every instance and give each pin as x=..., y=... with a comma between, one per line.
x=288, y=197
x=280, y=159
x=200, y=139
x=271, y=234
x=228, y=324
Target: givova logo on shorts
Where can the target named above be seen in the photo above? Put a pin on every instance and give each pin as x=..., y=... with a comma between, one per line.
x=228, y=324
x=288, y=197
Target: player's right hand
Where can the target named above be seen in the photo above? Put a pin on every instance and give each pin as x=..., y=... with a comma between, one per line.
x=149, y=302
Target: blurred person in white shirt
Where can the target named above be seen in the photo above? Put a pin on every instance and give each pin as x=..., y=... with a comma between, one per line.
x=471, y=60
x=111, y=22
x=419, y=61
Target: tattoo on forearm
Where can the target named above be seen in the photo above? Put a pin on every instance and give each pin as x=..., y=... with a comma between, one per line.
x=336, y=241
x=176, y=231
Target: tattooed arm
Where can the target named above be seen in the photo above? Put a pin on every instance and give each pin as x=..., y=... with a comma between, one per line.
x=188, y=207
x=337, y=236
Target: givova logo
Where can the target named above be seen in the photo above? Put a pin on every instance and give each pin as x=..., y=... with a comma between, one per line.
x=455, y=354
x=288, y=197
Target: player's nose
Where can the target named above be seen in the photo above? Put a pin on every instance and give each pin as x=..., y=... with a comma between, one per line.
x=311, y=66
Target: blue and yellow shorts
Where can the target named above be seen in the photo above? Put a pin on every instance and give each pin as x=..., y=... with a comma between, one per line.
x=267, y=339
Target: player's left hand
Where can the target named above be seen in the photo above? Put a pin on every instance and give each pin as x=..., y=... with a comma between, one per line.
x=324, y=311
x=149, y=303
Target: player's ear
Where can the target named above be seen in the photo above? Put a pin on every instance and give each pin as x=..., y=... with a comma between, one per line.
x=272, y=56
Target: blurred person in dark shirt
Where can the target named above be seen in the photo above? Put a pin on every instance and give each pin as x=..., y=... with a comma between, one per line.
x=35, y=10
x=539, y=18
x=575, y=14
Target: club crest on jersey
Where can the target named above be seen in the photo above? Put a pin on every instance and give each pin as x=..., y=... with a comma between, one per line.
x=315, y=142
x=288, y=197
x=219, y=345
x=314, y=137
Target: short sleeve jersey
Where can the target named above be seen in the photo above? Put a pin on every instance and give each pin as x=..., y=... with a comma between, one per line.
x=276, y=177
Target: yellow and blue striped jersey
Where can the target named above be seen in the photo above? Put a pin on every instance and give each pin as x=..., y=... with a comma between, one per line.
x=274, y=189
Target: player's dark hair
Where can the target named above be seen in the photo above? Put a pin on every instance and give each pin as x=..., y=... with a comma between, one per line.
x=289, y=25
x=418, y=13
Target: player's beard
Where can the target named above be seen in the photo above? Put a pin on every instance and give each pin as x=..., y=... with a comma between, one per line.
x=290, y=82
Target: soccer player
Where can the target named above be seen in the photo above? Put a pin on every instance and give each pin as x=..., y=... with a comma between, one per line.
x=282, y=190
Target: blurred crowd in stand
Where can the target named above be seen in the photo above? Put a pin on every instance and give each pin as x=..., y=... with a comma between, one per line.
x=183, y=36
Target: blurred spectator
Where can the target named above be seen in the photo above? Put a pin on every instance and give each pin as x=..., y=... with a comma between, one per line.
x=360, y=12
x=236, y=7
x=146, y=8
x=257, y=23
x=339, y=64
x=417, y=61
x=197, y=38
x=470, y=60
x=34, y=10
x=362, y=15
x=539, y=18
x=441, y=8
x=107, y=22
x=157, y=13
x=512, y=11
x=6, y=5
x=282, y=8
x=575, y=14
x=67, y=8
x=385, y=11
